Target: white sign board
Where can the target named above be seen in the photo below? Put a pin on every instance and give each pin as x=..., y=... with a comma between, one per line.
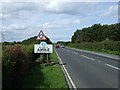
x=40, y=49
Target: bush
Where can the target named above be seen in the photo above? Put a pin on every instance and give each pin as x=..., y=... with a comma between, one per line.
x=16, y=61
x=14, y=65
x=107, y=45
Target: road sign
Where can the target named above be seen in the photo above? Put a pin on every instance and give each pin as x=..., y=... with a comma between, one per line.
x=43, y=44
x=43, y=49
x=41, y=36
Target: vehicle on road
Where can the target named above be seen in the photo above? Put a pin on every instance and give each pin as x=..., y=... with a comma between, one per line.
x=57, y=46
x=62, y=46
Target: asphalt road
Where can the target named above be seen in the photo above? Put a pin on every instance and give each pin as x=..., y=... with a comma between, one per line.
x=89, y=70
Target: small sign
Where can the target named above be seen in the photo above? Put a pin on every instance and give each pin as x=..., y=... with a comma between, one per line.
x=43, y=44
x=41, y=36
x=43, y=49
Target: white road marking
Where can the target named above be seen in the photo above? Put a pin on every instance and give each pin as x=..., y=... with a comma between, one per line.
x=67, y=74
x=88, y=57
x=68, y=50
x=74, y=52
x=112, y=66
x=99, y=61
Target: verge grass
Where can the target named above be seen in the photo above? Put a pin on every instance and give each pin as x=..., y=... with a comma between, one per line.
x=97, y=47
x=46, y=76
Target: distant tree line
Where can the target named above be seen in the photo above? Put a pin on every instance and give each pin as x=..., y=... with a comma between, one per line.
x=31, y=40
x=11, y=43
x=97, y=33
x=63, y=42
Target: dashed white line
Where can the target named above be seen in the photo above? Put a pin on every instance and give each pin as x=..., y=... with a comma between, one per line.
x=112, y=66
x=74, y=52
x=99, y=61
x=68, y=50
x=88, y=57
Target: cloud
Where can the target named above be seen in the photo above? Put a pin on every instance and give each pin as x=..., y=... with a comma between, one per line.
x=77, y=21
x=69, y=8
x=52, y=26
x=14, y=7
x=25, y=10
x=112, y=11
x=60, y=0
x=58, y=19
x=17, y=10
x=14, y=27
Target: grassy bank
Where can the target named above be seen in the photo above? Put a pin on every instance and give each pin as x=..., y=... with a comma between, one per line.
x=45, y=76
x=104, y=47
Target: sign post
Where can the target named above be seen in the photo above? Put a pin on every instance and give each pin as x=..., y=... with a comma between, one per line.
x=43, y=47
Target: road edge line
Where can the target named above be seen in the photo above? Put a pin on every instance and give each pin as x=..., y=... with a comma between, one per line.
x=66, y=74
x=92, y=52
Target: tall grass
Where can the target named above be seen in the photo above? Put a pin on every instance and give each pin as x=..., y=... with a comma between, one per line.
x=46, y=76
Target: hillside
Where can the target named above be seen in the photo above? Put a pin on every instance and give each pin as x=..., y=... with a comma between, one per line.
x=33, y=40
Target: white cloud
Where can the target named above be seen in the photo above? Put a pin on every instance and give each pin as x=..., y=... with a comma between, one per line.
x=15, y=27
x=71, y=8
x=60, y=0
x=47, y=25
x=26, y=19
x=13, y=7
x=17, y=10
x=26, y=10
x=77, y=21
x=112, y=10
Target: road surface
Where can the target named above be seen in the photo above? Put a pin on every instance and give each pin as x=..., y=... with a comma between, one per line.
x=89, y=70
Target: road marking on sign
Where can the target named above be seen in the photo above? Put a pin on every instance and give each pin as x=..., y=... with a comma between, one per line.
x=112, y=66
x=68, y=78
x=88, y=57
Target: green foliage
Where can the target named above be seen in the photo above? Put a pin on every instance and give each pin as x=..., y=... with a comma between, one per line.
x=16, y=59
x=45, y=76
x=13, y=61
x=63, y=43
x=97, y=33
x=33, y=40
x=111, y=47
x=20, y=69
x=11, y=43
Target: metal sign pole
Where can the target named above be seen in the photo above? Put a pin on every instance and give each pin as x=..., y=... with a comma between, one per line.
x=40, y=42
x=47, y=57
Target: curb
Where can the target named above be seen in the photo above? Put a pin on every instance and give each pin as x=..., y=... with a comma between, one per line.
x=66, y=74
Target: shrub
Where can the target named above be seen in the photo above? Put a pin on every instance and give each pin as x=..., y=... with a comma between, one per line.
x=14, y=65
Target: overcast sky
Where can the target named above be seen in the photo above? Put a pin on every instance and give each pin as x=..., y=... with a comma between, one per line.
x=58, y=20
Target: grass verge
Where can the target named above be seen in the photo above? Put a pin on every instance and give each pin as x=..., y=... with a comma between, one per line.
x=45, y=76
x=97, y=50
